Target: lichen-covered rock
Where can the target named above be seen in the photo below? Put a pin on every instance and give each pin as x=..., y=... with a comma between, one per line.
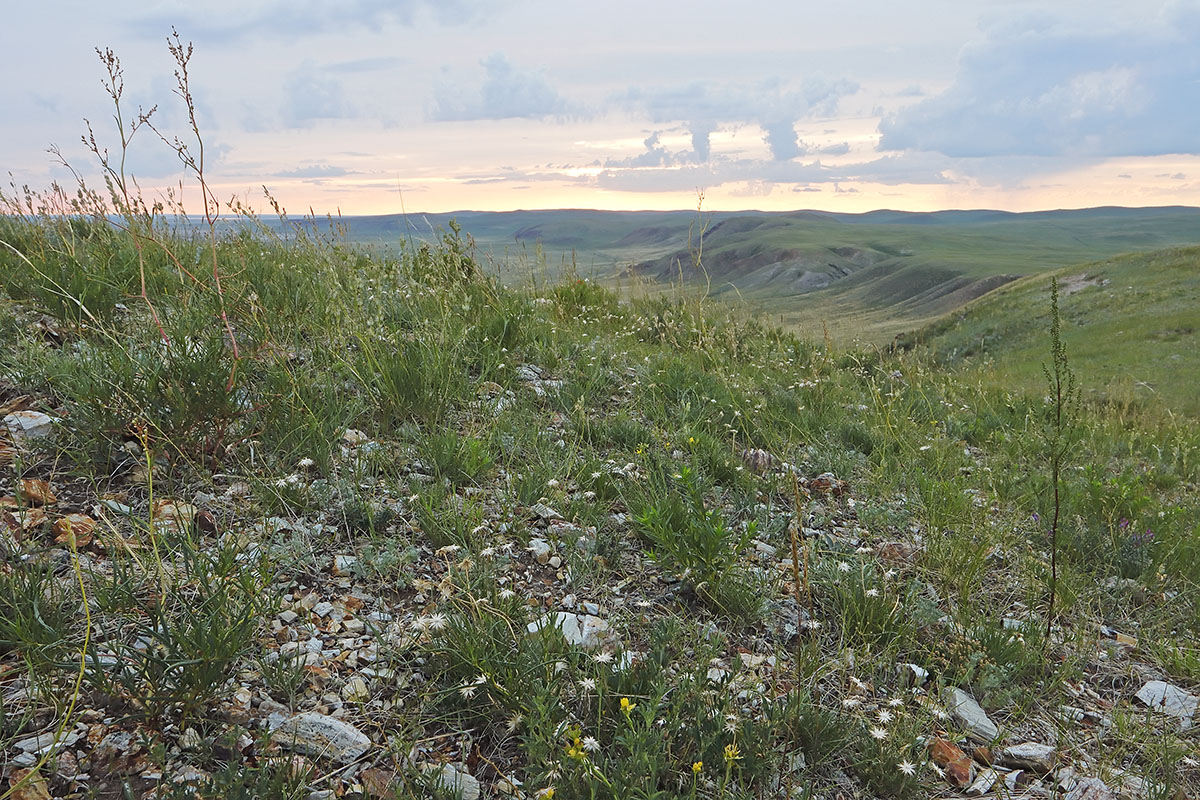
x=322, y=736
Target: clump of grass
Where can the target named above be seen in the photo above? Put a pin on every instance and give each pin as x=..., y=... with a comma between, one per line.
x=696, y=540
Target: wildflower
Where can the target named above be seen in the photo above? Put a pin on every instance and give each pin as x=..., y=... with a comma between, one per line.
x=467, y=692
x=872, y=593
x=603, y=658
x=851, y=702
x=546, y=794
x=879, y=733
x=590, y=744
x=436, y=621
x=843, y=566
x=514, y=722
x=587, y=683
x=732, y=753
x=506, y=594
x=448, y=550
x=896, y=702
x=697, y=766
x=627, y=707
x=885, y=716
x=907, y=767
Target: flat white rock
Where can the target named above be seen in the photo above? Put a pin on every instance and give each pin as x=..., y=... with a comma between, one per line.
x=581, y=630
x=1168, y=699
x=968, y=713
x=320, y=735
x=453, y=780
x=29, y=424
x=1031, y=756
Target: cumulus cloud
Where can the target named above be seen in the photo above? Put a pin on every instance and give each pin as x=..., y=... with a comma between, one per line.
x=228, y=21
x=771, y=104
x=310, y=94
x=314, y=171
x=1044, y=86
x=506, y=93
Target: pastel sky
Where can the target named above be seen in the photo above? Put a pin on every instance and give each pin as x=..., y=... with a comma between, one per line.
x=505, y=104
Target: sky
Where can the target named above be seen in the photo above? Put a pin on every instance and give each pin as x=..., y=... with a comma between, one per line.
x=374, y=106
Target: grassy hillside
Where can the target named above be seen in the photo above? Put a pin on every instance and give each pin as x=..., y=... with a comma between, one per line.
x=1131, y=325
x=387, y=528
x=864, y=277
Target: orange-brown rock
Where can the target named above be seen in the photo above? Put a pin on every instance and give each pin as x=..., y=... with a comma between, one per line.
x=79, y=526
x=956, y=764
x=36, y=491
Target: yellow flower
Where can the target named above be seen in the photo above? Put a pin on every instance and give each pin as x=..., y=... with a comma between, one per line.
x=697, y=766
x=732, y=753
x=626, y=706
x=691, y=440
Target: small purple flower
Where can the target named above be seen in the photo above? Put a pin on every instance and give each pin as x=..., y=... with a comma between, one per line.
x=1123, y=524
x=1036, y=517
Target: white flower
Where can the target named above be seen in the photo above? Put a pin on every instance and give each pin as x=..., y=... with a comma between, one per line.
x=879, y=733
x=514, y=722
x=907, y=767
x=872, y=593
x=467, y=692
x=896, y=702
x=843, y=566
x=449, y=549
x=506, y=594
x=587, y=683
x=560, y=666
x=602, y=658
x=851, y=702
x=590, y=744
x=436, y=621
x=885, y=716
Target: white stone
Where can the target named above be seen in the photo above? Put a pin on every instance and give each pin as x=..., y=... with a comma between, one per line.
x=983, y=782
x=581, y=630
x=29, y=424
x=320, y=735
x=541, y=550
x=1090, y=789
x=1168, y=699
x=323, y=609
x=968, y=713
x=454, y=780
x=1030, y=756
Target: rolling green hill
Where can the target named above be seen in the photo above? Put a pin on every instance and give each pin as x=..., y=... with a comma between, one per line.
x=1131, y=325
x=864, y=277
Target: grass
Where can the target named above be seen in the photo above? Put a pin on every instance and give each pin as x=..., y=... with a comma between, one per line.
x=406, y=463
x=1129, y=323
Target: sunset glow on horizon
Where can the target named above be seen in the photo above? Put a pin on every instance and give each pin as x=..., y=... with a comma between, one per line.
x=375, y=108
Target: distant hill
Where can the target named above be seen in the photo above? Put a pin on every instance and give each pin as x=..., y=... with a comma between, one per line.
x=863, y=276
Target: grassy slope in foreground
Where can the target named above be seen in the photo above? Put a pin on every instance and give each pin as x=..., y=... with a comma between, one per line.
x=1131, y=325
x=376, y=478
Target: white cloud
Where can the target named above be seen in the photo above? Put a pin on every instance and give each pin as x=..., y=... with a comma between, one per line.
x=310, y=94
x=1039, y=86
x=506, y=93
x=770, y=104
